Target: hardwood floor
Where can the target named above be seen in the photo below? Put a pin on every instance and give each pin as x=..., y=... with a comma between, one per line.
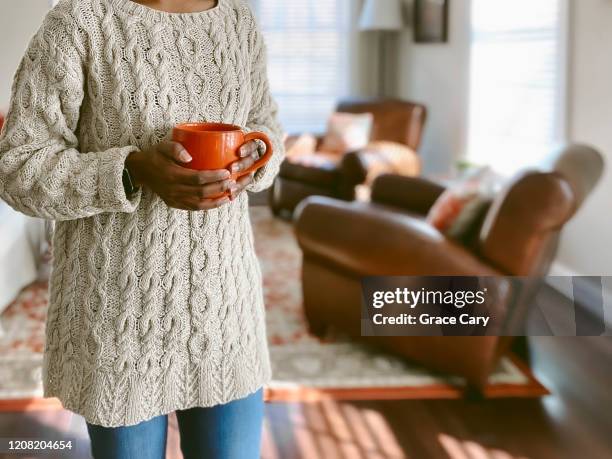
x=574, y=422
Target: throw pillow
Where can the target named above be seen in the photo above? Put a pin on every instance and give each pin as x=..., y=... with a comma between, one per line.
x=347, y=132
x=461, y=208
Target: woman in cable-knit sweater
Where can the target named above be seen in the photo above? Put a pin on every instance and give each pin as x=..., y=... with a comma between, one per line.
x=155, y=296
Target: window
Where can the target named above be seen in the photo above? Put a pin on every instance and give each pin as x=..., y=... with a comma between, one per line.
x=517, y=82
x=308, y=49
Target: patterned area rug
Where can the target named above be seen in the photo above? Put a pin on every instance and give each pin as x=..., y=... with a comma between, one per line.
x=305, y=368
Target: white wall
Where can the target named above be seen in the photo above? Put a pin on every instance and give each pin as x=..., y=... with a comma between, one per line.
x=586, y=247
x=439, y=76
x=19, y=20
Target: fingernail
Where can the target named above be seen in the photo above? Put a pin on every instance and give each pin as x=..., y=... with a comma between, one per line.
x=235, y=168
x=185, y=157
x=244, y=152
x=226, y=174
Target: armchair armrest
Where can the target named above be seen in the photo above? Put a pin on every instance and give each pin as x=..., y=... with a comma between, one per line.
x=293, y=138
x=415, y=194
x=290, y=140
x=366, y=165
x=354, y=168
x=366, y=240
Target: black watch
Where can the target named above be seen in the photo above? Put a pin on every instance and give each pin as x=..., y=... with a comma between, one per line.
x=128, y=183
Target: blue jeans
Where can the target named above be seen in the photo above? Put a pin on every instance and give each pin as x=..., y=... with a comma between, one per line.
x=230, y=431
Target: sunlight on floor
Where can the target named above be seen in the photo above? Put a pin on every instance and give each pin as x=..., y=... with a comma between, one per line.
x=330, y=430
x=466, y=449
x=57, y=422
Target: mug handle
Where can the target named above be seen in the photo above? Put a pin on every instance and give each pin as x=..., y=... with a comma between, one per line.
x=267, y=155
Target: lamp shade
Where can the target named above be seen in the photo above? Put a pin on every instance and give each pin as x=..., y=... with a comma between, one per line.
x=381, y=15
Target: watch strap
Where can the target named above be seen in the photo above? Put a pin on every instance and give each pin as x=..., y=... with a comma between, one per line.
x=128, y=183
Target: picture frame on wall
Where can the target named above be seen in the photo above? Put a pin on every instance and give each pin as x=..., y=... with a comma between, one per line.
x=431, y=21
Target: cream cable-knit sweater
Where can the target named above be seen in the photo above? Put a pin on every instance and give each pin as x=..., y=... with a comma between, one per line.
x=152, y=309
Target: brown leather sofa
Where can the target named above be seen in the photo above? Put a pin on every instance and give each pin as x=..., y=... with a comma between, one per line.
x=394, y=120
x=389, y=236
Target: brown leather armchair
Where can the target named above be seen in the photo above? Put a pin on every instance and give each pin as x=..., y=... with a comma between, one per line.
x=390, y=236
x=394, y=120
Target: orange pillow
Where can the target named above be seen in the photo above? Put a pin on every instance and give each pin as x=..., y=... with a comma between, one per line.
x=347, y=132
x=461, y=207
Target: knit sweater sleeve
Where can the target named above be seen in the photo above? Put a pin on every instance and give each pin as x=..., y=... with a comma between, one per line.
x=263, y=115
x=42, y=172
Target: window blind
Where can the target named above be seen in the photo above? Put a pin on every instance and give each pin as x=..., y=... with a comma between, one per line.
x=517, y=82
x=308, y=64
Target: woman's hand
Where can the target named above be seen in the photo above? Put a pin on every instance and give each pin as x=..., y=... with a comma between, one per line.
x=160, y=169
x=249, y=154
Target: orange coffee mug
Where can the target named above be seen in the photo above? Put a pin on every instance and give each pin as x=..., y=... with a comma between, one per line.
x=216, y=146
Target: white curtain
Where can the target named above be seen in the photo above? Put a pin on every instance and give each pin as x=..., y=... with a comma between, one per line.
x=308, y=57
x=517, y=82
